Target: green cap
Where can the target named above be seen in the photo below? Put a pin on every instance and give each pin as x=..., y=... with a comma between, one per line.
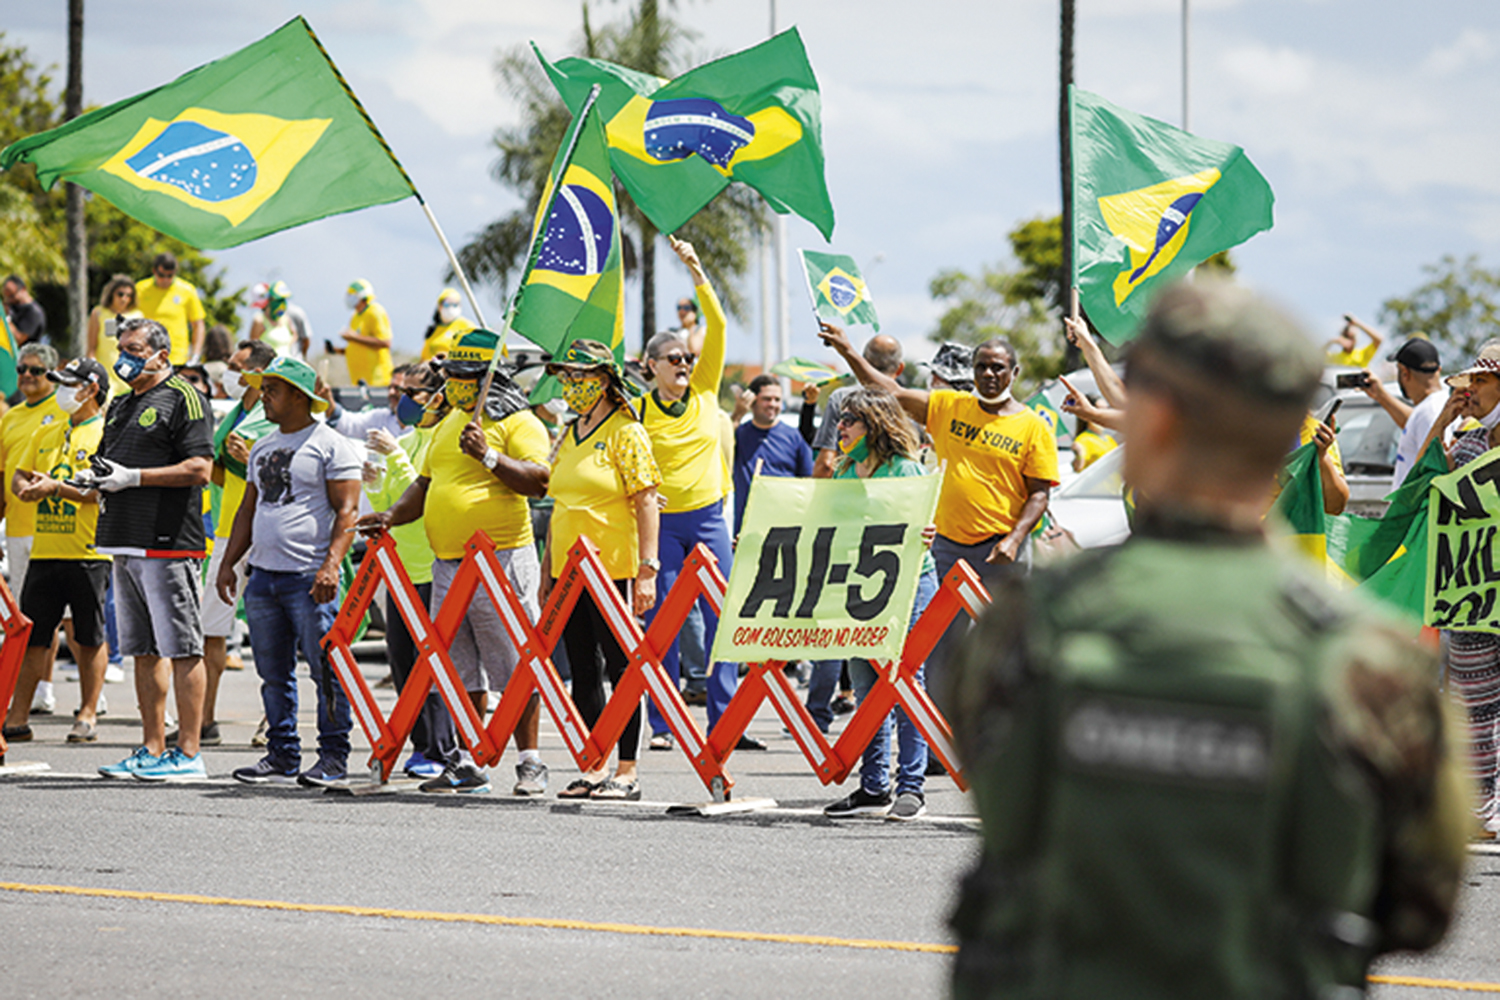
x=590, y=355
x=297, y=373
x=476, y=347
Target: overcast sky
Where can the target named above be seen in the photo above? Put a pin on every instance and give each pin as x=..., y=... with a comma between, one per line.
x=1373, y=120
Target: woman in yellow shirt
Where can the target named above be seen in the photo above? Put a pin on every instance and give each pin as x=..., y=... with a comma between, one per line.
x=448, y=324
x=116, y=305
x=603, y=487
x=682, y=416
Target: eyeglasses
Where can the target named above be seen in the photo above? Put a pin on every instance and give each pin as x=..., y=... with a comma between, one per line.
x=676, y=358
x=164, y=274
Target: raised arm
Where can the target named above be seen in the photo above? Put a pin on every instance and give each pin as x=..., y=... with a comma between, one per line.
x=1111, y=386
x=913, y=401
x=708, y=341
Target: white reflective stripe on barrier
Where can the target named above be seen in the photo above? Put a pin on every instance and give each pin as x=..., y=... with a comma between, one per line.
x=5, y=615
x=790, y=715
x=972, y=599
x=610, y=608
x=712, y=589
x=367, y=715
x=413, y=620
x=455, y=700
x=553, y=697
x=916, y=710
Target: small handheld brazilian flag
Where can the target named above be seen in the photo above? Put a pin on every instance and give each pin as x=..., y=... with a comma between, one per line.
x=753, y=116
x=1042, y=407
x=838, y=291
x=574, y=284
x=7, y=358
x=261, y=140
x=1150, y=203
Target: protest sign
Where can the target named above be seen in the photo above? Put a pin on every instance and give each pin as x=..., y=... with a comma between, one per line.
x=825, y=569
x=1463, y=578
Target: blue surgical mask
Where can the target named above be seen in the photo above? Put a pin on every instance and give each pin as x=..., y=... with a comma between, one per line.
x=129, y=367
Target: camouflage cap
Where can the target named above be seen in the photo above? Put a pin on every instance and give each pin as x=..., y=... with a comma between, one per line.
x=1229, y=336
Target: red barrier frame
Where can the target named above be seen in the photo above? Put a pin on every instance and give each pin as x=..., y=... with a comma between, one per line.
x=15, y=632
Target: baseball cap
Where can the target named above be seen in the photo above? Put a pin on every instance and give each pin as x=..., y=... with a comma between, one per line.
x=81, y=370
x=298, y=373
x=1418, y=354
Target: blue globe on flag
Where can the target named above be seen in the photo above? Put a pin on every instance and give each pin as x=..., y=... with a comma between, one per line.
x=842, y=292
x=579, y=233
x=675, y=130
x=206, y=163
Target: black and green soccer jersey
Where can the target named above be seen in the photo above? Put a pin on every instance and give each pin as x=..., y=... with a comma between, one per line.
x=162, y=426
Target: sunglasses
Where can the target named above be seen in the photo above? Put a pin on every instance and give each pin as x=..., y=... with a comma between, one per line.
x=850, y=418
x=676, y=358
x=30, y=370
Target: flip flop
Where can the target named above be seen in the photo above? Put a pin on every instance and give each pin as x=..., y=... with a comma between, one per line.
x=618, y=791
x=580, y=788
x=662, y=741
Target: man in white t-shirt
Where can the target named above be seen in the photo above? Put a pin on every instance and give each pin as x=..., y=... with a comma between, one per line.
x=1420, y=376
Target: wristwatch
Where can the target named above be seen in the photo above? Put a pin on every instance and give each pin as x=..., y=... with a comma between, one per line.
x=654, y=565
x=491, y=459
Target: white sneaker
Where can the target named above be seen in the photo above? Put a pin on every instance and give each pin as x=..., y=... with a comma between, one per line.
x=45, y=703
x=103, y=704
x=114, y=674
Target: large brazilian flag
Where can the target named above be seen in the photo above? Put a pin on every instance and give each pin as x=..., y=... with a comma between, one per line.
x=1150, y=203
x=574, y=286
x=754, y=116
x=264, y=139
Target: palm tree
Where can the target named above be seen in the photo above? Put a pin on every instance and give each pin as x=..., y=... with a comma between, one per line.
x=722, y=231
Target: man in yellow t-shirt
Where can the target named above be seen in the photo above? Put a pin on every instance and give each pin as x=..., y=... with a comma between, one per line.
x=174, y=304
x=66, y=571
x=1341, y=348
x=479, y=470
x=368, y=337
x=999, y=466
x=448, y=324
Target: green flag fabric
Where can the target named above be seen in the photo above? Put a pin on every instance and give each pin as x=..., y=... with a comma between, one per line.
x=574, y=286
x=753, y=116
x=259, y=141
x=838, y=290
x=7, y=358
x=1043, y=408
x=1300, y=502
x=1150, y=202
x=803, y=370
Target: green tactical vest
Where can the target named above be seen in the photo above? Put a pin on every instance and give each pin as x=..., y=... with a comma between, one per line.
x=1161, y=817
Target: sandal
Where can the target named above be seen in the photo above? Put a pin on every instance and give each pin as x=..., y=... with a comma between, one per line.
x=581, y=788
x=17, y=734
x=662, y=741
x=615, y=790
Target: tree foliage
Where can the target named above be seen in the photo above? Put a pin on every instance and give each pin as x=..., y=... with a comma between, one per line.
x=723, y=231
x=35, y=227
x=1015, y=300
x=1458, y=306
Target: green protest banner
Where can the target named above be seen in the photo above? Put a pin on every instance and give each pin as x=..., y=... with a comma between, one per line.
x=825, y=569
x=1463, y=578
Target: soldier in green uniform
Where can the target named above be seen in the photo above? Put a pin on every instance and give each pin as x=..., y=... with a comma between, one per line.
x=1201, y=772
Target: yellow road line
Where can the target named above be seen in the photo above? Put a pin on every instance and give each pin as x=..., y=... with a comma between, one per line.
x=482, y=918
x=586, y=925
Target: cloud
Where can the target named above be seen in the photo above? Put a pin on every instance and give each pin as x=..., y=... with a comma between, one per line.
x=1270, y=72
x=1472, y=46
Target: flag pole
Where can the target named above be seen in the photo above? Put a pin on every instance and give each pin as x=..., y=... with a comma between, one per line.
x=536, y=246
x=458, y=268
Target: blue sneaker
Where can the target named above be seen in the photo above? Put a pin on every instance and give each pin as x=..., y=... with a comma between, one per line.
x=174, y=765
x=327, y=771
x=126, y=768
x=419, y=766
x=268, y=770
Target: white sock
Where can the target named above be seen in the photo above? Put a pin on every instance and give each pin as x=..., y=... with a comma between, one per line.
x=531, y=756
x=44, y=690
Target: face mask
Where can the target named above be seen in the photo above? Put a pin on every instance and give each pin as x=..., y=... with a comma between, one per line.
x=582, y=396
x=1490, y=419
x=234, y=386
x=462, y=393
x=129, y=367
x=352, y=301
x=858, y=451
x=448, y=312
x=70, y=403
x=409, y=411
x=996, y=401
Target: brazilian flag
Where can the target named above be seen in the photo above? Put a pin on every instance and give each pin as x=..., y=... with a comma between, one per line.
x=1150, y=203
x=754, y=117
x=7, y=358
x=838, y=290
x=574, y=286
x=1042, y=407
x=802, y=370
x=1300, y=502
x=261, y=140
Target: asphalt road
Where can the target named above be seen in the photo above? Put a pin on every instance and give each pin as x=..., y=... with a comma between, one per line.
x=230, y=890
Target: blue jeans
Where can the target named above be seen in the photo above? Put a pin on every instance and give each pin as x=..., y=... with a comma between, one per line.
x=911, y=752
x=694, y=658
x=821, y=686
x=679, y=533
x=283, y=619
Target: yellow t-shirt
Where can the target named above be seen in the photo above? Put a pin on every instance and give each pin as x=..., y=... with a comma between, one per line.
x=108, y=350
x=17, y=428
x=989, y=458
x=64, y=529
x=592, y=483
x=687, y=447
x=1360, y=357
x=465, y=497
x=175, y=307
x=1305, y=435
x=1091, y=447
x=442, y=339
x=373, y=364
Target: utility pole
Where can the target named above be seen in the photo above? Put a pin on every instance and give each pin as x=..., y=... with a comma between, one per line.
x=1072, y=357
x=1186, y=23
x=72, y=343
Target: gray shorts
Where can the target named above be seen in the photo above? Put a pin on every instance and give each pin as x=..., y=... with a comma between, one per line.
x=158, y=607
x=482, y=641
